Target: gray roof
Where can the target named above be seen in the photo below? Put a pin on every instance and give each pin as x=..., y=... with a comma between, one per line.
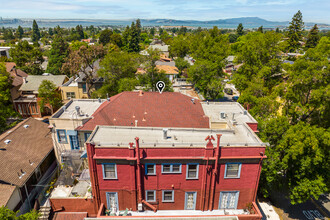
x=33, y=82
x=162, y=48
x=162, y=63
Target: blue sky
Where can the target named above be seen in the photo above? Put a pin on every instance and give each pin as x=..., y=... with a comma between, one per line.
x=275, y=10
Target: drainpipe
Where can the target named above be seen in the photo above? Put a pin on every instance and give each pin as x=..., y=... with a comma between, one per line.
x=138, y=170
x=140, y=200
x=215, y=172
x=258, y=177
x=204, y=182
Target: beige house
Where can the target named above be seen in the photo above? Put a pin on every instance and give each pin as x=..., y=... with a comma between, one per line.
x=67, y=141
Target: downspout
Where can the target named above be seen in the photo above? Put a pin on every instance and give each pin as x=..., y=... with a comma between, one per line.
x=93, y=174
x=258, y=177
x=215, y=172
x=138, y=170
x=140, y=200
x=204, y=182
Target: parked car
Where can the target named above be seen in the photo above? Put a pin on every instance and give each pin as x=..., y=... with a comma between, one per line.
x=228, y=91
x=235, y=98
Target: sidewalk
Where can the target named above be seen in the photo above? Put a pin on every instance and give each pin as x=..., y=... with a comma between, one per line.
x=268, y=211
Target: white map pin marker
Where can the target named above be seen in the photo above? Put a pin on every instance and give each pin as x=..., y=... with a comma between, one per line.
x=160, y=86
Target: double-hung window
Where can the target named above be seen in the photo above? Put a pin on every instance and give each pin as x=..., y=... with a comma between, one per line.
x=61, y=136
x=171, y=168
x=70, y=95
x=233, y=170
x=168, y=195
x=109, y=171
x=151, y=195
x=192, y=171
x=150, y=169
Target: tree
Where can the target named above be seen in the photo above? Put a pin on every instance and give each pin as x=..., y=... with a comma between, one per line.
x=19, y=32
x=8, y=34
x=313, y=37
x=138, y=28
x=307, y=93
x=277, y=30
x=49, y=96
x=35, y=32
x=239, y=29
x=8, y=214
x=134, y=39
x=260, y=29
x=299, y=162
x=105, y=36
x=50, y=31
x=80, y=32
x=152, y=31
x=6, y=109
x=179, y=46
x=27, y=57
x=57, y=55
x=181, y=64
x=83, y=60
x=153, y=75
x=295, y=32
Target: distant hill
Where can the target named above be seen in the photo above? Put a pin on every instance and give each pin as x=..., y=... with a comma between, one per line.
x=248, y=22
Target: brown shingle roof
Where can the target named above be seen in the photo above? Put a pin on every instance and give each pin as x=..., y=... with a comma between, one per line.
x=168, y=69
x=5, y=193
x=70, y=215
x=27, y=145
x=152, y=109
x=16, y=74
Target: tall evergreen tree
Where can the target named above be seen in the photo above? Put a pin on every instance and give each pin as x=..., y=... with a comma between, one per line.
x=35, y=32
x=8, y=34
x=105, y=36
x=295, y=32
x=134, y=39
x=126, y=38
x=57, y=55
x=239, y=29
x=260, y=29
x=138, y=28
x=80, y=31
x=313, y=37
x=277, y=30
x=50, y=31
x=19, y=32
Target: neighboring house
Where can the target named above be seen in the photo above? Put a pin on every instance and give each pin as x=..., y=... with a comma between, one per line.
x=76, y=87
x=64, y=122
x=157, y=45
x=171, y=72
x=4, y=52
x=151, y=151
x=27, y=103
x=17, y=76
x=27, y=162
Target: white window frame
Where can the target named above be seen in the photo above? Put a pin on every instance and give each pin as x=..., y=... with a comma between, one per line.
x=103, y=171
x=146, y=169
x=171, y=168
x=238, y=174
x=163, y=196
x=197, y=171
x=154, y=199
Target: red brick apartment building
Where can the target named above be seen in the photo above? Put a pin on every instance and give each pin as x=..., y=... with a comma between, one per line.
x=168, y=155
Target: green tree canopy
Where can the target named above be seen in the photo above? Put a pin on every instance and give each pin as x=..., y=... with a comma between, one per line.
x=6, y=109
x=27, y=57
x=239, y=29
x=8, y=214
x=19, y=32
x=294, y=33
x=57, y=55
x=313, y=37
x=49, y=96
x=35, y=32
x=105, y=36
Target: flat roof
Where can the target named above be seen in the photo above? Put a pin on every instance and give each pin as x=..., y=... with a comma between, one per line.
x=232, y=110
x=86, y=108
x=119, y=136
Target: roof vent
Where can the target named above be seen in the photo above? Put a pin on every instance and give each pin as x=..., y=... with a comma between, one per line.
x=245, y=112
x=222, y=115
x=165, y=133
x=108, y=99
x=7, y=141
x=77, y=110
x=99, y=100
x=26, y=126
x=193, y=101
x=64, y=108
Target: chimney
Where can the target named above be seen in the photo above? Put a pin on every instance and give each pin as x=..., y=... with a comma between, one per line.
x=24, y=80
x=140, y=93
x=136, y=121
